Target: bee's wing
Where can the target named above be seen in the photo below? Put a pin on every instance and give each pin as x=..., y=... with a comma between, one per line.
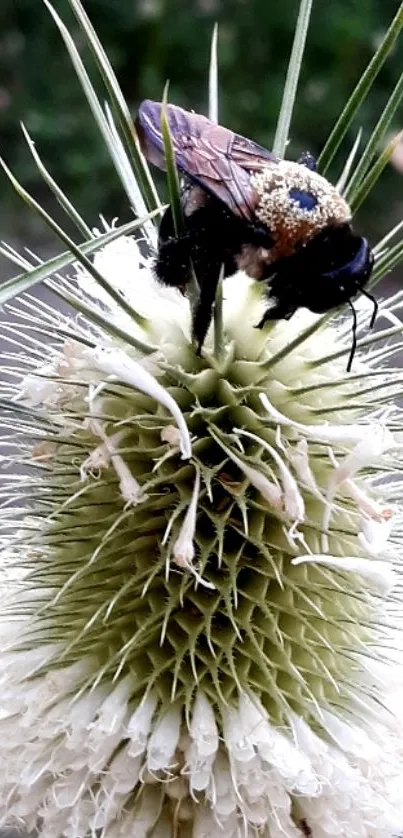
x=212, y=156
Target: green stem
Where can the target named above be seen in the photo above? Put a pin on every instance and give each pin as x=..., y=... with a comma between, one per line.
x=360, y=92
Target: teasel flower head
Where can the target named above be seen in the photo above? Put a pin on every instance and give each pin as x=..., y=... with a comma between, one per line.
x=201, y=606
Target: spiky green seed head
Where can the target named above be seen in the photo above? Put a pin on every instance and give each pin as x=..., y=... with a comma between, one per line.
x=202, y=571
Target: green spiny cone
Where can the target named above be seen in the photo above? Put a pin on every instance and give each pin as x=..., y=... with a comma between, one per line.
x=198, y=561
x=117, y=592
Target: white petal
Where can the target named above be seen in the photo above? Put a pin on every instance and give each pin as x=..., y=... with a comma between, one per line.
x=293, y=500
x=124, y=771
x=373, y=535
x=112, y=711
x=350, y=738
x=298, y=456
x=267, y=488
x=139, y=725
x=130, y=489
x=277, y=749
x=41, y=389
x=81, y=818
x=222, y=792
x=203, y=745
x=116, y=362
x=80, y=715
x=236, y=736
x=163, y=741
x=374, y=442
x=183, y=549
x=366, y=504
x=320, y=433
x=203, y=728
x=67, y=790
x=381, y=574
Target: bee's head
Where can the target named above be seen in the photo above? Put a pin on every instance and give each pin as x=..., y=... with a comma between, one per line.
x=327, y=271
x=337, y=264
x=330, y=270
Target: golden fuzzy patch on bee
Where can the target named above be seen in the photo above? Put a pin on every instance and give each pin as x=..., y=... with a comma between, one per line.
x=281, y=191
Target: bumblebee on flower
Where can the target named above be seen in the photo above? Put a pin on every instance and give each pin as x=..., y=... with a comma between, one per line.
x=243, y=208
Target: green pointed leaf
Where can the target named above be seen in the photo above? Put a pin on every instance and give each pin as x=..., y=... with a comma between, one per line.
x=114, y=149
x=95, y=316
x=79, y=255
x=360, y=92
x=57, y=191
x=374, y=173
x=119, y=105
x=384, y=241
x=136, y=199
x=172, y=172
x=387, y=262
x=291, y=82
x=19, y=284
x=345, y=173
x=374, y=141
x=174, y=190
x=213, y=115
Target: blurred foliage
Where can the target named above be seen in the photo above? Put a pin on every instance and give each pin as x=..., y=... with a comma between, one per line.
x=150, y=41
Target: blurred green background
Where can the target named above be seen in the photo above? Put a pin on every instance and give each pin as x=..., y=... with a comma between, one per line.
x=150, y=41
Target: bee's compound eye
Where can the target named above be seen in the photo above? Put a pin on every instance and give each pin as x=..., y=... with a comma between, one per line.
x=305, y=200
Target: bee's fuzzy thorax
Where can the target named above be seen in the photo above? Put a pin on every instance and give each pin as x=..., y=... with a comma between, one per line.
x=295, y=203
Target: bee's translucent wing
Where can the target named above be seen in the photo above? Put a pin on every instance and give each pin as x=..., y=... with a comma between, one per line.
x=210, y=155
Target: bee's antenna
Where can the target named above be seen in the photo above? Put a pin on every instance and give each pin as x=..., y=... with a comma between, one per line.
x=354, y=338
x=375, y=305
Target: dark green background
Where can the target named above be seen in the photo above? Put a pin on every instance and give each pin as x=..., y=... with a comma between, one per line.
x=150, y=41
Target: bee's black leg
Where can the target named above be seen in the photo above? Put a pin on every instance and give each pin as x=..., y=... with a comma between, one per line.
x=177, y=257
x=207, y=266
x=172, y=264
x=279, y=311
x=208, y=281
x=204, y=246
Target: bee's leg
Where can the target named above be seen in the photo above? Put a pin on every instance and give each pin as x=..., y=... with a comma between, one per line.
x=284, y=296
x=283, y=310
x=172, y=264
x=209, y=259
x=207, y=275
x=177, y=257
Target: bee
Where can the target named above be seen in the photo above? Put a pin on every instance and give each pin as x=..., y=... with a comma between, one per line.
x=245, y=209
